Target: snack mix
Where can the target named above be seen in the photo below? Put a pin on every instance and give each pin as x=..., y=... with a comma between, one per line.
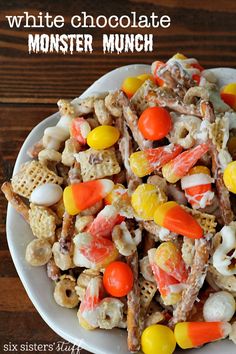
x=131, y=199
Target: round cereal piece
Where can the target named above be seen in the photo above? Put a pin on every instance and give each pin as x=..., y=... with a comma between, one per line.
x=38, y=252
x=63, y=261
x=219, y=306
x=65, y=294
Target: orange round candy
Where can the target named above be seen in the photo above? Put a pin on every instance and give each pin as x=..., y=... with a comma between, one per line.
x=155, y=123
x=118, y=279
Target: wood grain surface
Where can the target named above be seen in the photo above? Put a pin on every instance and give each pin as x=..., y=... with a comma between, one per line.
x=30, y=85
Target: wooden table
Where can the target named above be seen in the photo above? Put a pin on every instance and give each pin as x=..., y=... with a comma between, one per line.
x=30, y=86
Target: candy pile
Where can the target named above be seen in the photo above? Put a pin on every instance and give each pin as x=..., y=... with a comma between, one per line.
x=130, y=198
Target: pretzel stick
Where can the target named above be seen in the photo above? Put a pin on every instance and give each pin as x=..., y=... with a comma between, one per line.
x=149, y=242
x=67, y=233
x=194, y=282
x=132, y=122
x=68, y=223
x=15, y=200
x=222, y=191
x=165, y=97
x=133, y=304
x=155, y=229
x=125, y=147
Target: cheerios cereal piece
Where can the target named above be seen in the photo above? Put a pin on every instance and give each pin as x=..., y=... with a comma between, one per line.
x=63, y=261
x=65, y=294
x=38, y=252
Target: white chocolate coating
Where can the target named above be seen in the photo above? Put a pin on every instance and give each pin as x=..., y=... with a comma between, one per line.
x=46, y=195
x=219, y=306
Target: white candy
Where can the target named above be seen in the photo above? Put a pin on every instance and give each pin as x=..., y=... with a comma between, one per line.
x=47, y=194
x=219, y=306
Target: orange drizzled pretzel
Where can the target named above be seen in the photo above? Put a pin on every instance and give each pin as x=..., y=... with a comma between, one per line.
x=194, y=282
x=132, y=121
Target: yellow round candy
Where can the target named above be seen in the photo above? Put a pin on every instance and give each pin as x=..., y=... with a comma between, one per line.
x=158, y=339
x=131, y=85
x=103, y=137
x=230, y=177
x=146, y=199
x=230, y=88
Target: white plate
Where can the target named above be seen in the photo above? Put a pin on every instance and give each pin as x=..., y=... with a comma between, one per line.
x=39, y=288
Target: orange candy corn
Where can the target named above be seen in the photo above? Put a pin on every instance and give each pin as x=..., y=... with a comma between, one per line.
x=173, y=217
x=104, y=222
x=98, y=251
x=197, y=187
x=80, y=129
x=80, y=196
x=180, y=165
x=167, y=285
x=156, y=65
x=169, y=259
x=145, y=162
x=195, y=334
x=91, y=300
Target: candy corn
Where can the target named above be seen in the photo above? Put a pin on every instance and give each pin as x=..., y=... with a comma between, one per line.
x=197, y=187
x=173, y=217
x=86, y=315
x=119, y=192
x=144, y=77
x=228, y=95
x=130, y=85
x=168, y=286
x=80, y=196
x=195, y=334
x=169, y=259
x=80, y=129
x=179, y=56
x=145, y=162
x=97, y=252
x=104, y=222
x=156, y=65
x=180, y=165
x=145, y=200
